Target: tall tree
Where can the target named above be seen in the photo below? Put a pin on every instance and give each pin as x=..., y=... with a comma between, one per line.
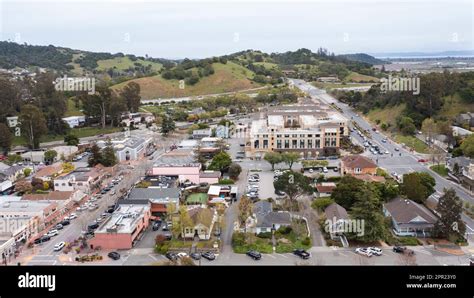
x=368, y=209
x=50, y=155
x=273, y=158
x=6, y=138
x=234, y=170
x=429, y=128
x=167, y=125
x=131, y=95
x=290, y=158
x=33, y=124
x=293, y=184
x=467, y=146
x=418, y=186
x=245, y=208
x=71, y=140
x=450, y=224
x=108, y=157
x=95, y=156
x=220, y=162
x=348, y=191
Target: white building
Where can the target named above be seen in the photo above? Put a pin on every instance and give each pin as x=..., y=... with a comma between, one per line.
x=131, y=148
x=74, y=121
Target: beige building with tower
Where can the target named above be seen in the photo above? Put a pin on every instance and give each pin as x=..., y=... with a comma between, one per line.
x=311, y=130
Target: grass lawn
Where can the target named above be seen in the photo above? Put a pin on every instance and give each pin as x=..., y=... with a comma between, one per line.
x=197, y=198
x=79, y=132
x=440, y=169
x=413, y=143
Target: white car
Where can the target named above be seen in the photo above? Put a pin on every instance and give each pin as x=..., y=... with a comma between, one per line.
x=375, y=251
x=311, y=170
x=386, y=152
x=72, y=216
x=181, y=254
x=364, y=251
x=59, y=246
x=52, y=233
x=325, y=170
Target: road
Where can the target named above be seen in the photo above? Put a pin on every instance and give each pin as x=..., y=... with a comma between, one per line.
x=403, y=161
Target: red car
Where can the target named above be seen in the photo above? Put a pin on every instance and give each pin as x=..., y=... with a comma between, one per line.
x=422, y=160
x=3, y=157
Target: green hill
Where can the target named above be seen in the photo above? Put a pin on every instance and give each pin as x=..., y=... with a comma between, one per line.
x=227, y=77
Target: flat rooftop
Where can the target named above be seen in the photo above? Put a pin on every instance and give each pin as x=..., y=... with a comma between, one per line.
x=124, y=220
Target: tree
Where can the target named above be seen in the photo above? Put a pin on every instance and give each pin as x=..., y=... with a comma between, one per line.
x=67, y=167
x=6, y=138
x=234, y=170
x=293, y=184
x=26, y=172
x=273, y=158
x=131, y=95
x=220, y=162
x=245, y=208
x=418, y=186
x=450, y=224
x=348, y=191
x=429, y=128
x=71, y=140
x=467, y=146
x=184, y=222
x=23, y=186
x=108, y=157
x=290, y=158
x=97, y=105
x=456, y=169
x=368, y=209
x=33, y=124
x=167, y=125
x=49, y=156
x=95, y=157
x=407, y=126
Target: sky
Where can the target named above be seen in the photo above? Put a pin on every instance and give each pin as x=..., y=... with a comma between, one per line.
x=198, y=29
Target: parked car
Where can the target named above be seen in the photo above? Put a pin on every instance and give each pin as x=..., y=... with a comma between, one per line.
x=65, y=222
x=336, y=169
x=325, y=170
x=165, y=227
x=156, y=225
x=280, y=193
x=403, y=250
x=311, y=170
x=52, y=233
x=59, y=227
x=171, y=256
x=45, y=238
x=209, y=256
x=363, y=251
x=72, y=216
x=396, y=149
x=93, y=226
x=375, y=251
x=422, y=160
x=114, y=255
x=59, y=246
x=254, y=255
x=181, y=255
x=195, y=256
x=301, y=253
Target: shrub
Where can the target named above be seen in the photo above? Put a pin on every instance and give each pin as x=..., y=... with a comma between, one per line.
x=306, y=241
x=285, y=230
x=226, y=181
x=267, y=235
x=408, y=241
x=321, y=203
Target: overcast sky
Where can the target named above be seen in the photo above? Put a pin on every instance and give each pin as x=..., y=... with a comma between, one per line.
x=199, y=29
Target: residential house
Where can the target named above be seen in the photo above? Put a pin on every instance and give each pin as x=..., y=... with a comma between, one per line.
x=357, y=164
x=409, y=218
x=48, y=173
x=337, y=217
x=467, y=178
x=465, y=120
x=9, y=175
x=203, y=220
x=324, y=189
x=264, y=219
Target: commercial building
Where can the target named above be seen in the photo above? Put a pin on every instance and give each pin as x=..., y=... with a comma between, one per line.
x=123, y=228
x=83, y=179
x=157, y=198
x=130, y=148
x=310, y=130
x=45, y=212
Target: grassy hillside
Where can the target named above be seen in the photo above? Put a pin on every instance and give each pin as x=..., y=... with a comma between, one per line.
x=357, y=77
x=227, y=78
x=386, y=115
x=124, y=63
x=453, y=105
